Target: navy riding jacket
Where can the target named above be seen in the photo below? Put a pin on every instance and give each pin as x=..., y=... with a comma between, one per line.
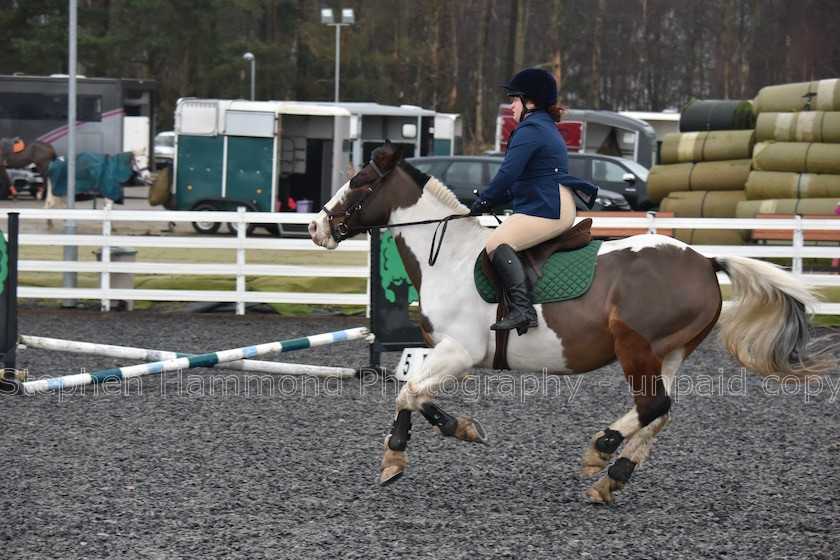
x=535, y=165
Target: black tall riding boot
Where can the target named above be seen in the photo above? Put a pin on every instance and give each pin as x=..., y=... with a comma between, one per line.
x=522, y=314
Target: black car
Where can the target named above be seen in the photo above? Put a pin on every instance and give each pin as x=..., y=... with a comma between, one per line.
x=616, y=174
x=464, y=174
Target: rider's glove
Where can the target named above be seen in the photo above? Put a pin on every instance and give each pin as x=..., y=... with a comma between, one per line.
x=479, y=207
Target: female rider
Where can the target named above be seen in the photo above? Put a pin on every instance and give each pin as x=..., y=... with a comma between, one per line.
x=535, y=176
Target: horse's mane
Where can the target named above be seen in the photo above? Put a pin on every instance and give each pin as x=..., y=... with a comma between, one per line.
x=433, y=186
x=443, y=194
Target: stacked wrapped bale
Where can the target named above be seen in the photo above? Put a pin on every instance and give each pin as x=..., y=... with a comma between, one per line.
x=705, y=167
x=796, y=158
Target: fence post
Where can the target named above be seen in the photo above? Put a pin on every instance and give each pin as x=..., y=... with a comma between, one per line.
x=240, y=260
x=798, y=244
x=651, y=216
x=8, y=298
x=105, y=259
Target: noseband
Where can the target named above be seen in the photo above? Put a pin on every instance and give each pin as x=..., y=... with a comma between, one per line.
x=342, y=231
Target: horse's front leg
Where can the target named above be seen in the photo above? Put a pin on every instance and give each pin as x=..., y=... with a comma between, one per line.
x=448, y=359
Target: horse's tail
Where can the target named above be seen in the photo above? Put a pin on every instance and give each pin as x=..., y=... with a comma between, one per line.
x=768, y=327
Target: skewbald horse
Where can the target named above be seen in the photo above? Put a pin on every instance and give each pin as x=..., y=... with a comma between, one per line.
x=652, y=301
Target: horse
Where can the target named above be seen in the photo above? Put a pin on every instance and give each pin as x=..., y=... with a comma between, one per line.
x=652, y=301
x=39, y=153
x=97, y=175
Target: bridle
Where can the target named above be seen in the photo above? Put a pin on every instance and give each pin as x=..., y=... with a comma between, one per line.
x=139, y=170
x=343, y=231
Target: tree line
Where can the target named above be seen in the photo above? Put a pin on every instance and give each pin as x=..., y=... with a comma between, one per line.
x=447, y=55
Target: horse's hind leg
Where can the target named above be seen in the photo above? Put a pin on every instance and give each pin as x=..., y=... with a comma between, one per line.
x=653, y=413
x=649, y=379
x=606, y=442
x=633, y=455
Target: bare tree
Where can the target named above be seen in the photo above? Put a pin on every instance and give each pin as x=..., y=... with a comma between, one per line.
x=595, y=69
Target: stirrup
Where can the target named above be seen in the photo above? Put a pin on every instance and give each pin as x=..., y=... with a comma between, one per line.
x=521, y=323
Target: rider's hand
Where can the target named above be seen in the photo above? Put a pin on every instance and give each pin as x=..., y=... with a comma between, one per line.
x=479, y=207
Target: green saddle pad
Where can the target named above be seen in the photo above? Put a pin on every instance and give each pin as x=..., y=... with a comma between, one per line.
x=566, y=275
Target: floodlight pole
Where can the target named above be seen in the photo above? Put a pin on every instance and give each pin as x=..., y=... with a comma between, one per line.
x=250, y=56
x=347, y=19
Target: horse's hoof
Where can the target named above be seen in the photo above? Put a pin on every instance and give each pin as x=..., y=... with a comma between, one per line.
x=390, y=475
x=595, y=497
x=589, y=471
x=470, y=429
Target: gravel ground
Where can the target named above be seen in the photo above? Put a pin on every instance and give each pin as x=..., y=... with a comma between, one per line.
x=199, y=465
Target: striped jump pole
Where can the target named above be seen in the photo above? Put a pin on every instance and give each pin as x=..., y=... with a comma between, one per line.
x=148, y=355
x=182, y=363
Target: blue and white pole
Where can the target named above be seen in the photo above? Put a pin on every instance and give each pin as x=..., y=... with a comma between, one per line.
x=150, y=355
x=186, y=362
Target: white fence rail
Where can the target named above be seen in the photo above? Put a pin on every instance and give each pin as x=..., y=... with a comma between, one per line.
x=240, y=268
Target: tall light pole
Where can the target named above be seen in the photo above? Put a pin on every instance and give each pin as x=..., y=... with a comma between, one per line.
x=347, y=18
x=250, y=56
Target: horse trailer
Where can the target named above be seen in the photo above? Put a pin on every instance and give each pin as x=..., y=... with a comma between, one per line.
x=601, y=132
x=113, y=115
x=266, y=156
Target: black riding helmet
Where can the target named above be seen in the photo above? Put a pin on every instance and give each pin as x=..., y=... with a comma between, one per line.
x=534, y=83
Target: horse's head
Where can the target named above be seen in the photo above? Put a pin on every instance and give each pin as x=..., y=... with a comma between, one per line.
x=366, y=200
x=140, y=165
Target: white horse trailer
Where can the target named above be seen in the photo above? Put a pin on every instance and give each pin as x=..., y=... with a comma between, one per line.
x=268, y=156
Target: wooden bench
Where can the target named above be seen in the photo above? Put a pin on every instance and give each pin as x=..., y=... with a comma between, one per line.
x=625, y=232
x=787, y=235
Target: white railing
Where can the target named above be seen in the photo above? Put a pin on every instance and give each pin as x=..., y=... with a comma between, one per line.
x=240, y=268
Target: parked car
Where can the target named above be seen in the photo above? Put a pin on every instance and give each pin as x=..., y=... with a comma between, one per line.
x=464, y=174
x=616, y=174
x=164, y=148
x=24, y=180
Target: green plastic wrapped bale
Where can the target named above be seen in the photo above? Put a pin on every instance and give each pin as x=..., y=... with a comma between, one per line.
x=665, y=179
x=700, y=204
x=779, y=184
x=818, y=206
x=819, y=95
x=709, y=236
x=804, y=126
x=716, y=145
x=703, y=204
x=726, y=114
x=798, y=157
x=729, y=175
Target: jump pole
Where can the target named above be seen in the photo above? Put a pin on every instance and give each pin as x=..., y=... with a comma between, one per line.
x=177, y=364
x=148, y=355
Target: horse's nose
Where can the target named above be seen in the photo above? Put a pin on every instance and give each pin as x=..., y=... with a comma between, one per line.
x=313, y=228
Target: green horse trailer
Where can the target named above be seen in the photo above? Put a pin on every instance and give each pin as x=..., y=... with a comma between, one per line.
x=266, y=156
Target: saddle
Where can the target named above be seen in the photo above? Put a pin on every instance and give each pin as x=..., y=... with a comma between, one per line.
x=577, y=237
